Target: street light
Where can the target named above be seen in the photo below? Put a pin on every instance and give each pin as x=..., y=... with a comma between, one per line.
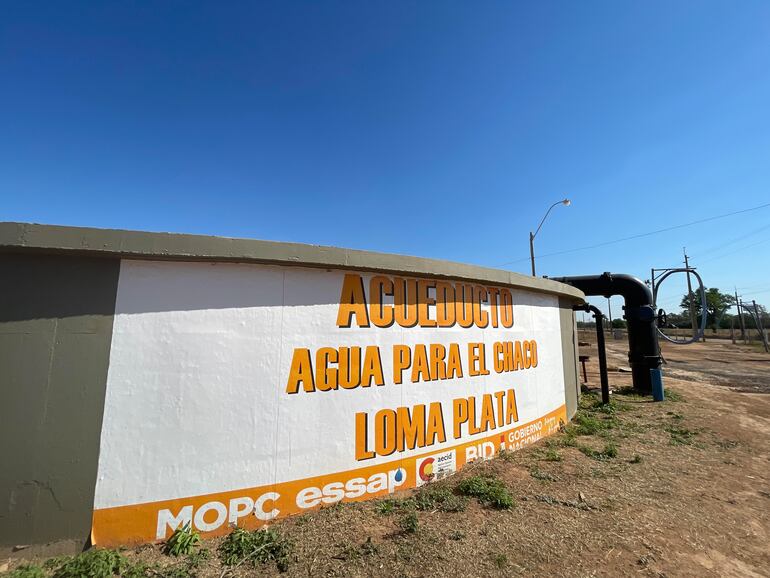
x=566, y=203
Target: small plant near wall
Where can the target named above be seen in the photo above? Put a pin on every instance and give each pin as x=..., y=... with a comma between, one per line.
x=182, y=542
x=258, y=547
x=488, y=490
x=409, y=523
x=26, y=571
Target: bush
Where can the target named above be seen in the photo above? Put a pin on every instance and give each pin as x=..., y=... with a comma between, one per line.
x=586, y=425
x=26, y=571
x=266, y=545
x=609, y=452
x=409, y=523
x=672, y=395
x=488, y=490
x=551, y=455
x=182, y=541
x=439, y=497
x=95, y=563
x=681, y=436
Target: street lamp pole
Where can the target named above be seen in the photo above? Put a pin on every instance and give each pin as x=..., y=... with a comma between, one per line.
x=566, y=203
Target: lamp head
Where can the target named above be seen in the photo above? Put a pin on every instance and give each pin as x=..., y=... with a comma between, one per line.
x=566, y=202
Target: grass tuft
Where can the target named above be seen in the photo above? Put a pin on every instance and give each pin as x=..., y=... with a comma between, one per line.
x=609, y=452
x=539, y=474
x=387, y=506
x=182, y=542
x=500, y=560
x=672, y=395
x=551, y=455
x=488, y=490
x=681, y=436
x=26, y=571
x=409, y=523
x=439, y=497
x=266, y=545
x=95, y=563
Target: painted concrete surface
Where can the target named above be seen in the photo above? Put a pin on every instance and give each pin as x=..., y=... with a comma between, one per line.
x=55, y=330
x=569, y=338
x=202, y=356
x=172, y=246
x=216, y=331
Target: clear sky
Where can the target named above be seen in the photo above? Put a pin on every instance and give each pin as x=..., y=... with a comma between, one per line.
x=438, y=129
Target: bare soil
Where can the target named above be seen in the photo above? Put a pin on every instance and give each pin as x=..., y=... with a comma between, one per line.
x=688, y=493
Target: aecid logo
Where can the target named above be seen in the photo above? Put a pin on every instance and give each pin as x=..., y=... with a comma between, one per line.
x=425, y=471
x=435, y=467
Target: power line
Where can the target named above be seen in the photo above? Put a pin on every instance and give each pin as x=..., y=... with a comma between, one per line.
x=761, y=285
x=733, y=251
x=717, y=248
x=640, y=235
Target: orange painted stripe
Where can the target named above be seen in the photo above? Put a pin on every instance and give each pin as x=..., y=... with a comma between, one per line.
x=138, y=523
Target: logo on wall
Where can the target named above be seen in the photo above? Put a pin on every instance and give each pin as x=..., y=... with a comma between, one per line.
x=435, y=467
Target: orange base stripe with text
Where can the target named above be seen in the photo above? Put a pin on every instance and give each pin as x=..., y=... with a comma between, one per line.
x=214, y=514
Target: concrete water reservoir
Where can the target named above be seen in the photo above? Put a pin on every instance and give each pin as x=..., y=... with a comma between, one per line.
x=150, y=380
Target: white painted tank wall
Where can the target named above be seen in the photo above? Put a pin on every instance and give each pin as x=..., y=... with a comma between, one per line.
x=198, y=424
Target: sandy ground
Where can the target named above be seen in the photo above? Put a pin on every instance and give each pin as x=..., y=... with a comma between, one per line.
x=688, y=493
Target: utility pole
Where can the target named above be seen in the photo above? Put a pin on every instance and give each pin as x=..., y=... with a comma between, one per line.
x=532, y=251
x=609, y=306
x=693, y=320
x=761, y=327
x=740, y=316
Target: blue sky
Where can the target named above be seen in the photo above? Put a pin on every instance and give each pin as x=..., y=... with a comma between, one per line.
x=439, y=129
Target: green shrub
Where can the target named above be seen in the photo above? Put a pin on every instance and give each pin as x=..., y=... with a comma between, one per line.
x=387, y=506
x=182, y=541
x=488, y=490
x=266, y=545
x=551, y=455
x=409, y=523
x=539, y=474
x=610, y=451
x=586, y=425
x=26, y=571
x=672, y=395
x=439, y=497
x=681, y=436
x=195, y=559
x=500, y=560
x=95, y=563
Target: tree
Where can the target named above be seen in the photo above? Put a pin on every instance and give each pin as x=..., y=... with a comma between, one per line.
x=717, y=303
x=749, y=316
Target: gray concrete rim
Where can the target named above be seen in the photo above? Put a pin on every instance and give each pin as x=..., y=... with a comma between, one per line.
x=18, y=237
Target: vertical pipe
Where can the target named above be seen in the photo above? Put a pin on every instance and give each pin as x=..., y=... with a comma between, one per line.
x=602, y=356
x=600, y=345
x=656, y=377
x=644, y=351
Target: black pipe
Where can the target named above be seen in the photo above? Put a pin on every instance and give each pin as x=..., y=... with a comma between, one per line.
x=644, y=350
x=598, y=316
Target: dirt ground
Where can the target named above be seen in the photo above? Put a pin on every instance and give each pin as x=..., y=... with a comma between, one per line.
x=687, y=493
